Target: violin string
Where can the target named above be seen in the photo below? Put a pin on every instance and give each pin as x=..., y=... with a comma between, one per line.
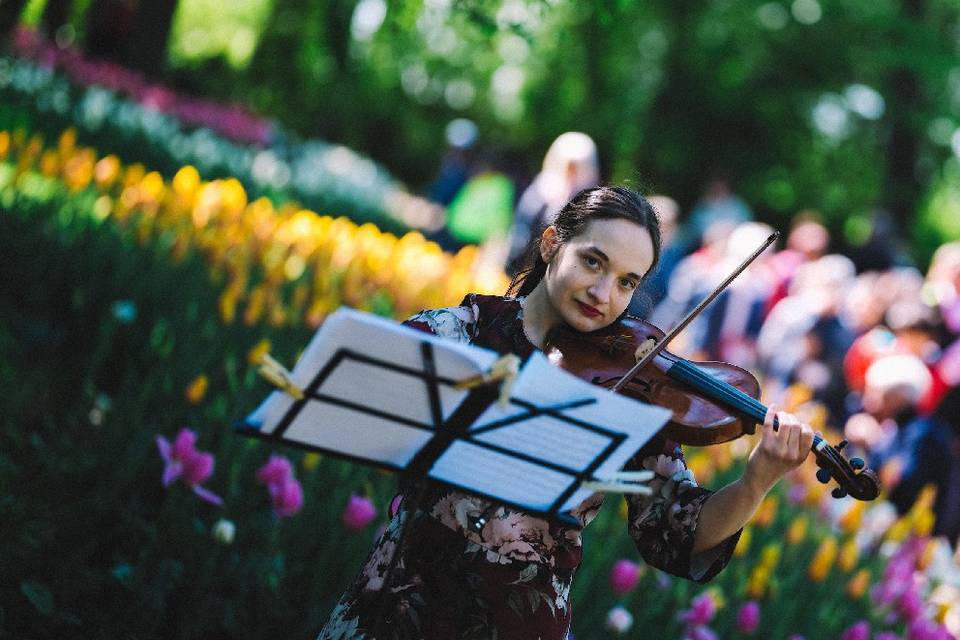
x=724, y=392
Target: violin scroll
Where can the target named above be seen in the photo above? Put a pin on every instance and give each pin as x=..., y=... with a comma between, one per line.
x=853, y=479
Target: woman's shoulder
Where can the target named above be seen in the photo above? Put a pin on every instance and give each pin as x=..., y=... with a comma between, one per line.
x=462, y=322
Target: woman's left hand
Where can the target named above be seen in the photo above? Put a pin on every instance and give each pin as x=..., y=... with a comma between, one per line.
x=778, y=451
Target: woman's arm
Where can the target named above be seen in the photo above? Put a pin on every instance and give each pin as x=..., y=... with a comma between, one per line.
x=729, y=509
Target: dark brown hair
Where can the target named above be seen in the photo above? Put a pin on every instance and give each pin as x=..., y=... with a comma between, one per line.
x=596, y=203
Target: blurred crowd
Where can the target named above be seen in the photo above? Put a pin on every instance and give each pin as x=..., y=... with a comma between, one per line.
x=871, y=336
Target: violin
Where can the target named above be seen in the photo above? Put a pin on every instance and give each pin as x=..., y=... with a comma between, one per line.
x=712, y=402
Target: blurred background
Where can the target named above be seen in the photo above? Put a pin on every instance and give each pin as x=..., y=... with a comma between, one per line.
x=186, y=185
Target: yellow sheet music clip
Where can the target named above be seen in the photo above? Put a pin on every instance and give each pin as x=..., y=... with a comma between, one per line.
x=504, y=371
x=279, y=376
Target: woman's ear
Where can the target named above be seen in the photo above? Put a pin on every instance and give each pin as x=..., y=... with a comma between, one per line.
x=549, y=242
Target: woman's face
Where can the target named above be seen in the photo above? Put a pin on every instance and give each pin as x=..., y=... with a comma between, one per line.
x=591, y=278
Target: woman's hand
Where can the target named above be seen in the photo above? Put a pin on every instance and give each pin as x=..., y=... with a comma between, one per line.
x=778, y=451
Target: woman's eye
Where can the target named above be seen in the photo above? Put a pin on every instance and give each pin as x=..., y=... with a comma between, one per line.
x=628, y=284
x=591, y=262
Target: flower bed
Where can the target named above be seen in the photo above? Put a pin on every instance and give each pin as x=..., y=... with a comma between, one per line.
x=121, y=113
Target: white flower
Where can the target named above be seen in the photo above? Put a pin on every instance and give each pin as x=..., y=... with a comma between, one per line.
x=619, y=620
x=224, y=531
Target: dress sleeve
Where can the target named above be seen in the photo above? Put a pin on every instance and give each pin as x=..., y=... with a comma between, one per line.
x=663, y=524
x=455, y=323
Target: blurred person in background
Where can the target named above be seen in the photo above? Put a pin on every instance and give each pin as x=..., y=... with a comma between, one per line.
x=807, y=241
x=913, y=451
x=570, y=165
x=728, y=328
x=804, y=337
x=894, y=385
x=719, y=204
x=456, y=166
x=655, y=288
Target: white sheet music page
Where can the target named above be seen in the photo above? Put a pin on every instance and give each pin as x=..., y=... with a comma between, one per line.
x=370, y=410
x=567, y=439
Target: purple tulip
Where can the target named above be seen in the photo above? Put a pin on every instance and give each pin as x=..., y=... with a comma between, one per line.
x=181, y=459
x=910, y=605
x=286, y=493
x=624, y=576
x=748, y=617
x=701, y=611
x=700, y=632
x=859, y=631
x=275, y=471
x=358, y=513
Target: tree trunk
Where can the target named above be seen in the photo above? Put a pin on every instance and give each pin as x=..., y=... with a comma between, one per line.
x=10, y=11
x=55, y=15
x=146, y=45
x=903, y=189
x=108, y=27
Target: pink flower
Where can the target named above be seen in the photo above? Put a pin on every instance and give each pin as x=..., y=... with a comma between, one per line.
x=624, y=576
x=748, y=617
x=287, y=497
x=700, y=632
x=286, y=494
x=701, y=611
x=619, y=620
x=275, y=471
x=859, y=631
x=182, y=460
x=886, y=635
x=358, y=513
x=911, y=604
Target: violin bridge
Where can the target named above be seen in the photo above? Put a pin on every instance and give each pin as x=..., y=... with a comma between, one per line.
x=645, y=347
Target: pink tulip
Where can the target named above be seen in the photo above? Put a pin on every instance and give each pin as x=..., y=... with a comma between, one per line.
x=911, y=604
x=624, y=576
x=182, y=460
x=859, y=631
x=287, y=497
x=275, y=471
x=748, y=617
x=358, y=513
x=701, y=611
x=286, y=494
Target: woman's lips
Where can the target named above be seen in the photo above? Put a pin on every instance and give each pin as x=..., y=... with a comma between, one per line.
x=588, y=311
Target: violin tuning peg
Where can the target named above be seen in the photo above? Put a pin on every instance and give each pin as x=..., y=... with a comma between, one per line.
x=823, y=475
x=841, y=445
x=857, y=463
x=838, y=492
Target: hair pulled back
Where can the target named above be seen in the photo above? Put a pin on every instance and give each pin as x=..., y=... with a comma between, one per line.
x=596, y=203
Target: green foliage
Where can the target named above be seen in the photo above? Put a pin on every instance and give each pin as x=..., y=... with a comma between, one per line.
x=93, y=544
x=768, y=93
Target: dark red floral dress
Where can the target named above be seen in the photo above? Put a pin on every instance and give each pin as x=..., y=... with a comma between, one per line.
x=509, y=577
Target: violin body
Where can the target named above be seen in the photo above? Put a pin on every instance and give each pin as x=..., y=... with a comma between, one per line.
x=603, y=356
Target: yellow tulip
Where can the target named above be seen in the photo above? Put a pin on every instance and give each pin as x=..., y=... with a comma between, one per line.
x=797, y=531
x=858, y=584
x=311, y=460
x=743, y=545
x=757, y=582
x=5, y=144
x=197, y=389
x=849, y=554
x=766, y=511
x=823, y=559
x=852, y=518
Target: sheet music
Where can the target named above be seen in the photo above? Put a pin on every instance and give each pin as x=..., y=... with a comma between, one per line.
x=356, y=432
x=369, y=398
x=547, y=438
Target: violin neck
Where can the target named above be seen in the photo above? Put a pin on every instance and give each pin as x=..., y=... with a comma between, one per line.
x=721, y=392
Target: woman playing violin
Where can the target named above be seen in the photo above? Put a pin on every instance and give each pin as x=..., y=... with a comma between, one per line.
x=470, y=568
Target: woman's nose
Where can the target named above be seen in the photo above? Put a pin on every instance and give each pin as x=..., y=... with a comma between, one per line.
x=600, y=290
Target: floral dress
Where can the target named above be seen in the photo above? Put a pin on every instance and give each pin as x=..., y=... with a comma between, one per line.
x=472, y=569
